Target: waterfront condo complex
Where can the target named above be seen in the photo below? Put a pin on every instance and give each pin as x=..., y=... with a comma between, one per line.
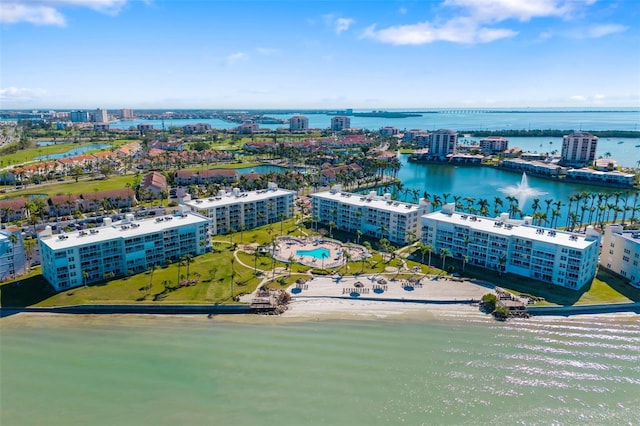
x=556, y=257
x=231, y=211
x=621, y=252
x=120, y=249
x=374, y=215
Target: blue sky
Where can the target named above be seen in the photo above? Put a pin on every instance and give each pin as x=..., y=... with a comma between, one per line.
x=319, y=54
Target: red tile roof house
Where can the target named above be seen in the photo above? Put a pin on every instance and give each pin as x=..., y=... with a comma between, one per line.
x=128, y=149
x=13, y=209
x=61, y=205
x=188, y=177
x=329, y=175
x=154, y=184
x=115, y=198
x=218, y=176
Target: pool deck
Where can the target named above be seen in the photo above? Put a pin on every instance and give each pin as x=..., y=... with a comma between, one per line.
x=287, y=249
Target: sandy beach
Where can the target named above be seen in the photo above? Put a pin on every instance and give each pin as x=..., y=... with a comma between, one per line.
x=375, y=296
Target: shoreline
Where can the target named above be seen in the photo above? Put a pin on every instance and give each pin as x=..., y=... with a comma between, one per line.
x=336, y=297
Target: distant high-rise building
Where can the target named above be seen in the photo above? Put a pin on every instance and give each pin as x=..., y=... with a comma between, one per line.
x=442, y=143
x=126, y=114
x=578, y=149
x=79, y=116
x=298, y=122
x=340, y=122
x=100, y=116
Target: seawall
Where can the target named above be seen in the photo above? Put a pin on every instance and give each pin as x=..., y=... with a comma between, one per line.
x=566, y=311
x=138, y=309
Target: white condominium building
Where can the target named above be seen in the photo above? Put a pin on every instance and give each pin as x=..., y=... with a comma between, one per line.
x=375, y=216
x=556, y=257
x=12, y=257
x=578, y=149
x=230, y=211
x=494, y=144
x=120, y=249
x=442, y=142
x=621, y=252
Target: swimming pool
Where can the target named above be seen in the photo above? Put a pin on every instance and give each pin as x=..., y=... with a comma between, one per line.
x=318, y=253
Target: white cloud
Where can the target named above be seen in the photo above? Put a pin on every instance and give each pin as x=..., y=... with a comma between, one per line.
x=459, y=30
x=599, y=96
x=236, y=57
x=579, y=98
x=48, y=12
x=597, y=31
x=12, y=13
x=338, y=24
x=474, y=21
x=19, y=94
x=500, y=10
x=403, y=11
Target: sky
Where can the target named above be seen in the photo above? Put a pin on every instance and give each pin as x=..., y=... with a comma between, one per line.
x=362, y=54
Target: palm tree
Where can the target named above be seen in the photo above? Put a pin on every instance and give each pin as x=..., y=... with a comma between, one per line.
x=233, y=275
x=366, y=245
x=536, y=205
x=188, y=259
x=331, y=225
x=497, y=204
x=358, y=235
x=148, y=288
x=424, y=248
x=444, y=252
x=548, y=201
x=324, y=256
x=416, y=194
x=512, y=202
x=465, y=259
x=347, y=258
x=281, y=217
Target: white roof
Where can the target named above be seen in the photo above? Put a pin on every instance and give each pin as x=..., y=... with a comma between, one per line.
x=116, y=230
x=238, y=197
x=378, y=203
x=509, y=228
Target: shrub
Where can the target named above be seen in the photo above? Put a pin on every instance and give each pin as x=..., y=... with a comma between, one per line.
x=489, y=301
x=501, y=313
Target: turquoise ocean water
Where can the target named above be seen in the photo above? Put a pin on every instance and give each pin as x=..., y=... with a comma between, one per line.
x=274, y=371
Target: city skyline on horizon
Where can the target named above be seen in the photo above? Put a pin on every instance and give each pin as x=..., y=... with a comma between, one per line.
x=248, y=55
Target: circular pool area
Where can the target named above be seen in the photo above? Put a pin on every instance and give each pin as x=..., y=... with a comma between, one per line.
x=314, y=252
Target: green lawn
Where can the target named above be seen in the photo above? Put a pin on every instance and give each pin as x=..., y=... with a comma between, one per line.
x=212, y=270
x=75, y=188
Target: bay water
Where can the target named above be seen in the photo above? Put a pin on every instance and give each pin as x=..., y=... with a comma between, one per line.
x=460, y=120
x=432, y=369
